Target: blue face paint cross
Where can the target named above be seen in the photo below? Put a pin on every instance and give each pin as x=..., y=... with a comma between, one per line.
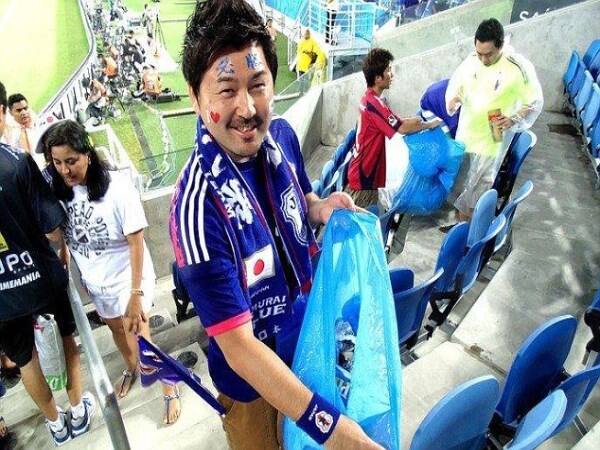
x=225, y=67
x=253, y=62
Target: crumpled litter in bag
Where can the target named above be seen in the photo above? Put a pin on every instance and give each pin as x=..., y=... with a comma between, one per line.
x=435, y=161
x=351, y=292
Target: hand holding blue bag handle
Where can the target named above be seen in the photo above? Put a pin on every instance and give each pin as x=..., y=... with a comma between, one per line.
x=358, y=371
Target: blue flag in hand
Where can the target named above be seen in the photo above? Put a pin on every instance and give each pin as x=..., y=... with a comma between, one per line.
x=156, y=365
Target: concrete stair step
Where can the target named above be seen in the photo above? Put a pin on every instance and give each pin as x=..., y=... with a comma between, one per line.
x=169, y=340
x=142, y=412
x=591, y=441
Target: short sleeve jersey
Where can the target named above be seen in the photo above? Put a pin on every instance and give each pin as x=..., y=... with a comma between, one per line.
x=96, y=233
x=376, y=122
x=206, y=261
x=29, y=268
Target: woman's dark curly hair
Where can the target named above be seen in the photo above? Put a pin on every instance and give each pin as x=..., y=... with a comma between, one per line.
x=217, y=26
x=71, y=133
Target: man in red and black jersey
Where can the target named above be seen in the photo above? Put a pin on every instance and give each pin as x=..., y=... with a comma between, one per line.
x=377, y=122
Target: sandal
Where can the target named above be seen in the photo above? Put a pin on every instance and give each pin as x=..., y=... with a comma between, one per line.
x=168, y=399
x=127, y=381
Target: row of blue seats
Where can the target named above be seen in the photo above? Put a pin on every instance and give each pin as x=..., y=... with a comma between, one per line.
x=582, y=89
x=539, y=398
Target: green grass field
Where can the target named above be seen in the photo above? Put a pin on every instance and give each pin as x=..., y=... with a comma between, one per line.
x=43, y=43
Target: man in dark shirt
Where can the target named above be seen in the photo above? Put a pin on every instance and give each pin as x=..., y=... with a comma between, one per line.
x=33, y=281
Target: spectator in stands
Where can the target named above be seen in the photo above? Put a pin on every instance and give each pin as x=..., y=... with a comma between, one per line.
x=97, y=100
x=151, y=83
x=33, y=281
x=242, y=200
x=500, y=95
x=377, y=127
x=23, y=132
x=110, y=67
x=308, y=52
x=104, y=231
x=271, y=29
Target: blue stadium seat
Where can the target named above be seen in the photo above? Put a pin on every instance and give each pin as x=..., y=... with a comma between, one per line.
x=461, y=264
x=539, y=423
x=509, y=213
x=590, y=113
x=411, y=302
x=504, y=183
x=591, y=52
x=344, y=148
x=459, y=421
x=536, y=370
x=594, y=66
x=316, y=187
x=584, y=94
x=569, y=75
x=595, y=140
x=327, y=173
x=577, y=388
x=574, y=88
x=483, y=214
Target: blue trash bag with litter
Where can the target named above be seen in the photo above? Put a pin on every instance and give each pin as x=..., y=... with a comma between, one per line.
x=434, y=163
x=348, y=346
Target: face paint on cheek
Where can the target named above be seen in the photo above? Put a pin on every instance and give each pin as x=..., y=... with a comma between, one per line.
x=214, y=117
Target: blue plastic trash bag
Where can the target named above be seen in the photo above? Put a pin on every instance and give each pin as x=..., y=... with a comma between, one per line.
x=352, y=295
x=435, y=161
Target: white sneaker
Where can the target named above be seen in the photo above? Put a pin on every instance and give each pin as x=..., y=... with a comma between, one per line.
x=63, y=435
x=82, y=424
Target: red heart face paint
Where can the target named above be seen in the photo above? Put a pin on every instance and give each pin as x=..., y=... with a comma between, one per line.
x=215, y=116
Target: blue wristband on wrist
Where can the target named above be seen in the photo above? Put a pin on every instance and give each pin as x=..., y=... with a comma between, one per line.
x=319, y=419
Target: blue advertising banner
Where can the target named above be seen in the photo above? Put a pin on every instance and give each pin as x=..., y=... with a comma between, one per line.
x=527, y=9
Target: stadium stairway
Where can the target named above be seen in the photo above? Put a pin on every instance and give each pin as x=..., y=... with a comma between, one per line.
x=142, y=410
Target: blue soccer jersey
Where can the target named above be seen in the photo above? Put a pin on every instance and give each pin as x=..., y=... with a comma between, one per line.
x=207, y=264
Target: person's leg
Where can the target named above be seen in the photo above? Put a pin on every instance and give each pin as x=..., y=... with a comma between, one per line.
x=37, y=388
x=73, y=361
x=250, y=426
x=128, y=350
x=170, y=392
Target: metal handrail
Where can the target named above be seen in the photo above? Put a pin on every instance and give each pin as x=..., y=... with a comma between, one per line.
x=102, y=384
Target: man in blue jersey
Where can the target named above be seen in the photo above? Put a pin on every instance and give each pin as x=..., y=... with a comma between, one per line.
x=240, y=226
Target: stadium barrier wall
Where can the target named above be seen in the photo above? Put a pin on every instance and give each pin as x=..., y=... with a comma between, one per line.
x=447, y=26
x=63, y=104
x=547, y=40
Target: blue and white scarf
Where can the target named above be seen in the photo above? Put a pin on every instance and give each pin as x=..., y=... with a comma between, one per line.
x=245, y=220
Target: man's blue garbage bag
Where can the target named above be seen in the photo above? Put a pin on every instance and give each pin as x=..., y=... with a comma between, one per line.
x=435, y=161
x=351, y=285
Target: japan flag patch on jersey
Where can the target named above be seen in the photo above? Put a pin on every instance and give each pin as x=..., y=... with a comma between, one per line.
x=259, y=265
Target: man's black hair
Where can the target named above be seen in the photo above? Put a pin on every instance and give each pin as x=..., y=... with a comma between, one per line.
x=15, y=98
x=217, y=26
x=375, y=64
x=73, y=134
x=3, y=101
x=490, y=30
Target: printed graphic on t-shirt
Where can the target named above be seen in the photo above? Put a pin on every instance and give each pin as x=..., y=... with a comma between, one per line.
x=292, y=213
x=85, y=233
x=265, y=308
x=236, y=202
x=19, y=268
x=3, y=244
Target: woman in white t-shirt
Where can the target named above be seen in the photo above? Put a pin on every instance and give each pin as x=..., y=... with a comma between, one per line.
x=105, y=234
